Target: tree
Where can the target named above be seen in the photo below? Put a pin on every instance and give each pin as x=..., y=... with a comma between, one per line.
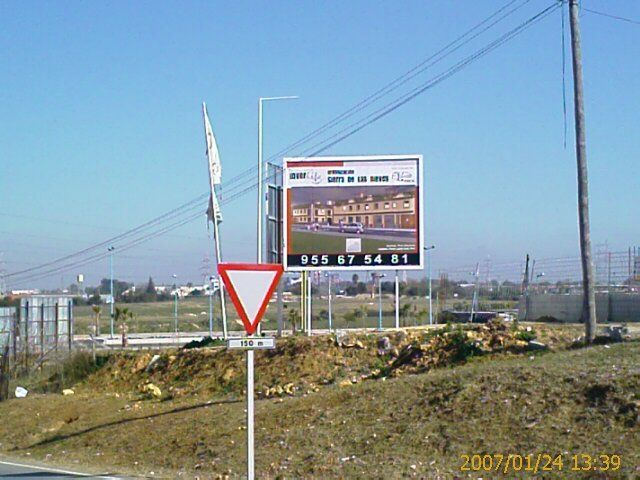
x=151, y=287
x=293, y=318
x=97, y=310
x=95, y=298
x=403, y=312
x=350, y=317
x=122, y=315
x=118, y=287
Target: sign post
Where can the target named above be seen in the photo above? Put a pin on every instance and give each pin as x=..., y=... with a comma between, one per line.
x=250, y=287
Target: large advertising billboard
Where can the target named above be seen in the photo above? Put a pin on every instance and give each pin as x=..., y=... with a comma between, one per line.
x=353, y=213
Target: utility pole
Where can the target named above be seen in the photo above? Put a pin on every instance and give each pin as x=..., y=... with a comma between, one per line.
x=175, y=304
x=113, y=298
x=428, y=249
x=589, y=296
x=474, y=302
x=3, y=285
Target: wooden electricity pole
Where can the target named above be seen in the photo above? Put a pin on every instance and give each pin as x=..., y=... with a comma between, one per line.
x=589, y=296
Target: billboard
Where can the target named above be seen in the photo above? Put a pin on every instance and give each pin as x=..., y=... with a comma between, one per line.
x=353, y=213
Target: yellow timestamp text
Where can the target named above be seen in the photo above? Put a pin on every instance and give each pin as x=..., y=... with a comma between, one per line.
x=539, y=462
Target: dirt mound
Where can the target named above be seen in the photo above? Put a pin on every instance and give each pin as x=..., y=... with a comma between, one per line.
x=300, y=365
x=451, y=346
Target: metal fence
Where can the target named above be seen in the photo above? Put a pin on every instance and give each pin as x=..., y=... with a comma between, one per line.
x=552, y=287
x=41, y=327
x=45, y=323
x=7, y=322
x=614, y=271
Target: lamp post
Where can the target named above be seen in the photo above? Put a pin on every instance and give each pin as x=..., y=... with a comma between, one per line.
x=330, y=277
x=112, y=300
x=175, y=303
x=427, y=249
x=260, y=165
x=214, y=286
x=250, y=446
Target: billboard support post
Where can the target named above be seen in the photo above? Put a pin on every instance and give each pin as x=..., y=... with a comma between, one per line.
x=397, y=301
x=303, y=310
x=380, y=301
x=330, y=313
x=309, y=326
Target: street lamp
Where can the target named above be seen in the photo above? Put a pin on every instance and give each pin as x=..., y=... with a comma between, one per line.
x=427, y=249
x=112, y=300
x=260, y=165
x=214, y=286
x=330, y=277
x=175, y=303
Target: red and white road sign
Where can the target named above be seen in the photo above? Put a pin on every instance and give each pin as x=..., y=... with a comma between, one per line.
x=250, y=287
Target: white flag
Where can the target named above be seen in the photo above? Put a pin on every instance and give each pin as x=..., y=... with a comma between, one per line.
x=213, y=211
x=215, y=167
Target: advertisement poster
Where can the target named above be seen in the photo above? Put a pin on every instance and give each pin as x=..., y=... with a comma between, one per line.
x=353, y=213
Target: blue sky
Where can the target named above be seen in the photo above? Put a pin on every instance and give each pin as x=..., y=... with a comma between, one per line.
x=101, y=130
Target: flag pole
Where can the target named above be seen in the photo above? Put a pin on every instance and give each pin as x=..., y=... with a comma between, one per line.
x=214, y=209
x=216, y=240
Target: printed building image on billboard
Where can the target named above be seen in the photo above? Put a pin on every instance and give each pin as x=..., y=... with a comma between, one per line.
x=353, y=212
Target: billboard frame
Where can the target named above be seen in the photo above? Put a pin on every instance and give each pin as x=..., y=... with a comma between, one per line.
x=347, y=159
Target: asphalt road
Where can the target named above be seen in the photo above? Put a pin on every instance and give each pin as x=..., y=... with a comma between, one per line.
x=371, y=233
x=22, y=471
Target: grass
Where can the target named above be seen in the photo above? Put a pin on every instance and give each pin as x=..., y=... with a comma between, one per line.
x=574, y=401
x=193, y=314
x=315, y=242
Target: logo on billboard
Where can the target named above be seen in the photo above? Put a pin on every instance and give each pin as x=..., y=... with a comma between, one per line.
x=312, y=176
x=403, y=176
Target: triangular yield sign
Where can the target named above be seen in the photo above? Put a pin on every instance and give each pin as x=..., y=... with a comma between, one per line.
x=250, y=287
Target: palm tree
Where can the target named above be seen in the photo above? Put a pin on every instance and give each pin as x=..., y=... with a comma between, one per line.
x=293, y=317
x=97, y=310
x=122, y=315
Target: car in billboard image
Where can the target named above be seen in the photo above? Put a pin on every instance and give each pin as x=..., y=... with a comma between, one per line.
x=314, y=227
x=354, y=227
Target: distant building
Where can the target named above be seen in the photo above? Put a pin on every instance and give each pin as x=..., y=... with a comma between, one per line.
x=373, y=211
x=24, y=293
x=160, y=289
x=316, y=212
x=129, y=291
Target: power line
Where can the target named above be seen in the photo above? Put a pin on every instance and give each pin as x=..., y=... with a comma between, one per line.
x=392, y=106
x=393, y=85
x=122, y=247
x=408, y=75
x=615, y=17
x=237, y=191
x=172, y=213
